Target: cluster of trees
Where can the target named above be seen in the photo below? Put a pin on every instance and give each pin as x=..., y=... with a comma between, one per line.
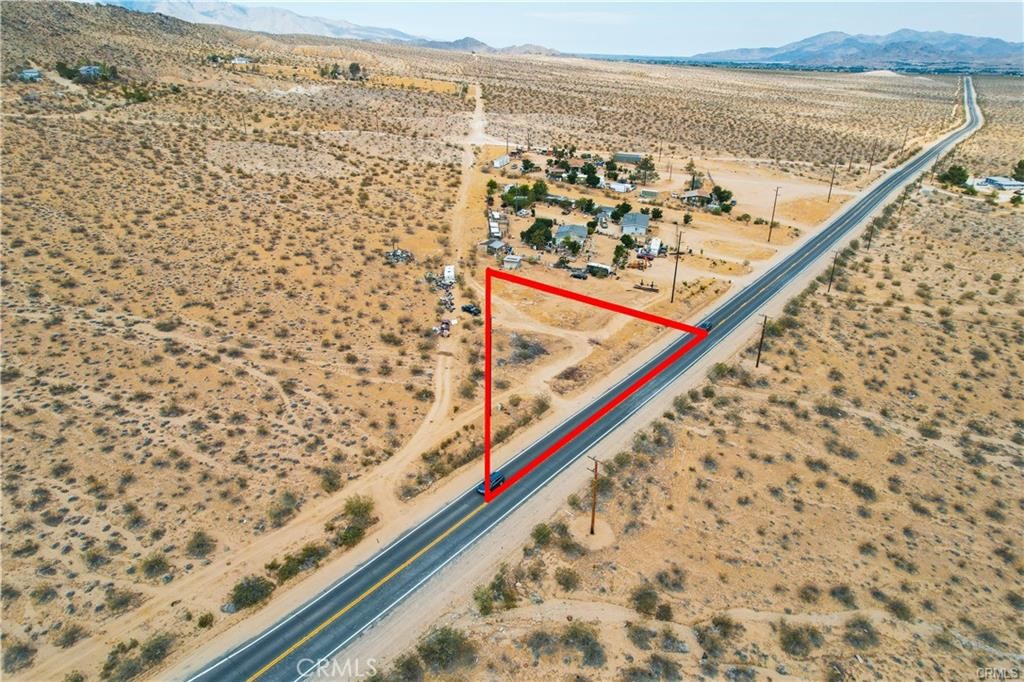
x=539, y=234
x=105, y=72
x=519, y=196
x=954, y=175
x=723, y=197
x=335, y=71
x=1018, y=171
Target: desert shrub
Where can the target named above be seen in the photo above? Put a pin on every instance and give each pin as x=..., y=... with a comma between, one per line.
x=154, y=566
x=860, y=633
x=121, y=600
x=663, y=612
x=251, y=590
x=844, y=595
x=644, y=599
x=446, y=649
x=640, y=636
x=658, y=669
x=799, y=640
x=283, y=508
x=715, y=637
x=583, y=638
x=69, y=635
x=672, y=579
x=206, y=620
x=200, y=545
x=330, y=479
x=541, y=643
x=1015, y=600
x=408, y=668
x=669, y=642
x=17, y=655
x=809, y=593
x=567, y=578
x=541, y=534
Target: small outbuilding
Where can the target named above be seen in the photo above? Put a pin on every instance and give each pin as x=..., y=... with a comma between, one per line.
x=501, y=161
x=511, y=262
x=620, y=187
x=627, y=157
x=448, y=276
x=90, y=72
x=30, y=75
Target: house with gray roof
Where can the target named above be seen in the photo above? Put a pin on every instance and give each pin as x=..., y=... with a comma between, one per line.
x=635, y=223
x=577, y=233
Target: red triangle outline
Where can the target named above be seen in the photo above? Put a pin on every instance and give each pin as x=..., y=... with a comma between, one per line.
x=491, y=274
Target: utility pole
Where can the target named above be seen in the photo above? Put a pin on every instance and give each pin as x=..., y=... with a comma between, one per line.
x=670, y=171
x=899, y=215
x=871, y=157
x=831, y=182
x=771, y=223
x=760, y=344
x=871, y=233
x=832, y=273
x=679, y=238
x=906, y=135
x=593, y=498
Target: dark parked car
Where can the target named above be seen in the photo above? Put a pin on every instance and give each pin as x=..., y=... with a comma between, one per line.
x=579, y=274
x=497, y=478
x=471, y=309
x=706, y=326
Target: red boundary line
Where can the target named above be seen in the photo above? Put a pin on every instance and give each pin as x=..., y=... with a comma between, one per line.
x=492, y=274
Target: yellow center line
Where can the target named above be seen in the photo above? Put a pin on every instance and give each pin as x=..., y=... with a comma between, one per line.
x=373, y=588
x=376, y=586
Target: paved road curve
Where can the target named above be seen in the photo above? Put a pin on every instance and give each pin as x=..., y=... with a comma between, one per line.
x=324, y=625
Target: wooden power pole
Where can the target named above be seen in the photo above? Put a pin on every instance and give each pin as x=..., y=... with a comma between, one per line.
x=832, y=182
x=771, y=223
x=672, y=297
x=593, y=498
x=832, y=273
x=760, y=344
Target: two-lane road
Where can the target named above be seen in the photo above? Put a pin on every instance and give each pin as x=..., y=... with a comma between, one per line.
x=323, y=626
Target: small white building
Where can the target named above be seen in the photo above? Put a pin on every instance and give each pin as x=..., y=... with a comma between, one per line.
x=511, y=262
x=494, y=230
x=240, y=60
x=448, y=277
x=620, y=187
x=501, y=161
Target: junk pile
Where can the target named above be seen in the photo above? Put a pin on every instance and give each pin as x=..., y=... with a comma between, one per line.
x=399, y=256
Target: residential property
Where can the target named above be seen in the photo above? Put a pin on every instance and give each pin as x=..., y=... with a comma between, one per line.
x=621, y=187
x=599, y=269
x=696, y=197
x=501, y=161
x=511, y=262
x=240, y=60
x=496, y=246
x=30, y=75
x=90, y=72
x=627, y=157
x=648, y=195
x=448, y=277
x=1002, y=182
x=635, y=224
x=494, y=228
x=576, y=233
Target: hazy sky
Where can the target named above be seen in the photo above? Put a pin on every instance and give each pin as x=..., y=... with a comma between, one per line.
x=664, y=28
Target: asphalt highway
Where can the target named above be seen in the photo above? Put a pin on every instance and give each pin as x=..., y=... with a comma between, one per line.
x=315, y=631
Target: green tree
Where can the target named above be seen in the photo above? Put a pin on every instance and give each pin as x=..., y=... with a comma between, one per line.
x=1018, y=171
x=721, y=194
x=538, y=235
x=656, y=213
x=492, y=186
x=539, y=190
x=954, y=175
x=621, y=256
x=355, y=70
x=687, y=218
x=528, y=165
x=645, y=170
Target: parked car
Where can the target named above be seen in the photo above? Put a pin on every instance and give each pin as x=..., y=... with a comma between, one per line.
x=579, y=274
x=706, y=326
x=471, y=308
x=497, y=478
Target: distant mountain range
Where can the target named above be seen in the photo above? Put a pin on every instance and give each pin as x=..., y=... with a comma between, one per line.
x=901, y=49
x=268, y=19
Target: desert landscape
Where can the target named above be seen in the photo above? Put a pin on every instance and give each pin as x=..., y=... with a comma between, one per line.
x=888, y=408
x=242, y=345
